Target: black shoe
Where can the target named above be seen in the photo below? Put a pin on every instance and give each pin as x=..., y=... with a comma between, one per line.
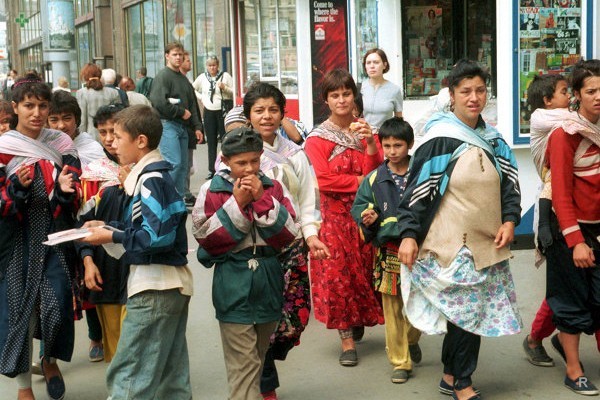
x=349, y=358
x=55, y=386
x=210, y=175
x=189, y=200
x=448, y=390
x=415, y=353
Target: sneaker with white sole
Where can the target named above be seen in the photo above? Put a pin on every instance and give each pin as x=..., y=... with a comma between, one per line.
x=399, y=376
x=581, y=385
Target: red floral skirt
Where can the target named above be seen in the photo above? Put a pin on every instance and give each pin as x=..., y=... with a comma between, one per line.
x=341, y=286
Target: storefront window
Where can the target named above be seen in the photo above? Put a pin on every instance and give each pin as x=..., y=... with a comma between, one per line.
x=179, y=22
x=84, y=45
x=32, y=28
x=134, y=34
x=145, y=47
x=31, y=57
x=205, y=35
x=83, y=7
x=549, y=43
x=439, y=33
x=366, y=32
x=154, y=43
x=269, y=35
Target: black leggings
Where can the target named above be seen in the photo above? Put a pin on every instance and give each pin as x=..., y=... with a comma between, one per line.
x=460, y=352
x=214, y=129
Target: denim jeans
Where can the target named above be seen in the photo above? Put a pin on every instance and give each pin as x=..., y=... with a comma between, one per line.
x=174, y=149
x=152, y=360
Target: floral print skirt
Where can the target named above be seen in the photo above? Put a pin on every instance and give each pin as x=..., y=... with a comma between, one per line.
x=296, y=293
x=482, y=302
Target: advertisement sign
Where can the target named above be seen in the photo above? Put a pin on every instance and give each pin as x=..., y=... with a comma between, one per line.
x=61, y=25
x=329, y=45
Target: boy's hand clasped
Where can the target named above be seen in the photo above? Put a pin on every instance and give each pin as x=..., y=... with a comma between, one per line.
x=247, y=189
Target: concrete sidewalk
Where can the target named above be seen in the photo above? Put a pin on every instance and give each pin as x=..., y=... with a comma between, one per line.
x=312, y=370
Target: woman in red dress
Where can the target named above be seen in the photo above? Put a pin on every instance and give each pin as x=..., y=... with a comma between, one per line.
x=342, y=151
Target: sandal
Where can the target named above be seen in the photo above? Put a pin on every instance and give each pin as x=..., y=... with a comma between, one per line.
x=55, y=386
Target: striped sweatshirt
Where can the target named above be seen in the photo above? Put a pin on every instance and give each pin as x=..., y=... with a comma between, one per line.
x=575, y=165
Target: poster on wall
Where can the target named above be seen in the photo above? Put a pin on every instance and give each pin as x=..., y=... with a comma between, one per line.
x=329, y=46
x=549, y=43
x=61, y=25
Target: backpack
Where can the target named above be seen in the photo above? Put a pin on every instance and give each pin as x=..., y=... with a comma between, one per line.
x=146, y=86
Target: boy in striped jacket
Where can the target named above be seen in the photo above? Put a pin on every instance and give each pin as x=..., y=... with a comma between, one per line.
x=242, y=220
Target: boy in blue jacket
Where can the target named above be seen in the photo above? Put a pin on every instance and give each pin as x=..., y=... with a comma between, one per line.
x=152, y=357
x=374, y=209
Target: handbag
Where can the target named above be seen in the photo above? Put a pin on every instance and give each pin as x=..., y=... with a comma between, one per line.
x=226, y=106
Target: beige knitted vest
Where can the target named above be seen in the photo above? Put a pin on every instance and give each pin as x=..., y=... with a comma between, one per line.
x=469, y=214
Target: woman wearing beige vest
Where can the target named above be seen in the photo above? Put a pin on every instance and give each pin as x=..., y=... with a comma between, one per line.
x=456, y=221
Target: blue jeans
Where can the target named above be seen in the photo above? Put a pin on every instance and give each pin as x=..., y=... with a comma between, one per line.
x=152, y=360
x=174, y=149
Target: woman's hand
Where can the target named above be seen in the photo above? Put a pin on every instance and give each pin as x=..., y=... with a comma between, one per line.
x=318, y=249
x=24, y=175
x=505, y=234
x=65, y=180
x=407, y=253
x=363, y=130
x=583, y=256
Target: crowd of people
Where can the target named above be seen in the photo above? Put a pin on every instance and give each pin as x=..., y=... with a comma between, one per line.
x=340, y=220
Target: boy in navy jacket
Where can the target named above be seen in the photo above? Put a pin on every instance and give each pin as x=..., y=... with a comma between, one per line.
x=152, y=357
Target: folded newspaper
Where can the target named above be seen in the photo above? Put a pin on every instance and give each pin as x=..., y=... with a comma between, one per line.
x=115, y=250
x=66, y=236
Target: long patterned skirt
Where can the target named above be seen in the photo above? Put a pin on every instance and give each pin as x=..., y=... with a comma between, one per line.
x=341, y=286
x=482, y=302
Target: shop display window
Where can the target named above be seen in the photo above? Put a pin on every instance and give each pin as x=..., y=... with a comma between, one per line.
x=549, y=37
x=439, y=33
x=134, y=33
x=154, y=42
x=269, y=35
x=84, y=43
x=31, y=57
x=145, y=34
x=366, y=32
x=205, y=35
x=83, y=7
x=179, y=22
